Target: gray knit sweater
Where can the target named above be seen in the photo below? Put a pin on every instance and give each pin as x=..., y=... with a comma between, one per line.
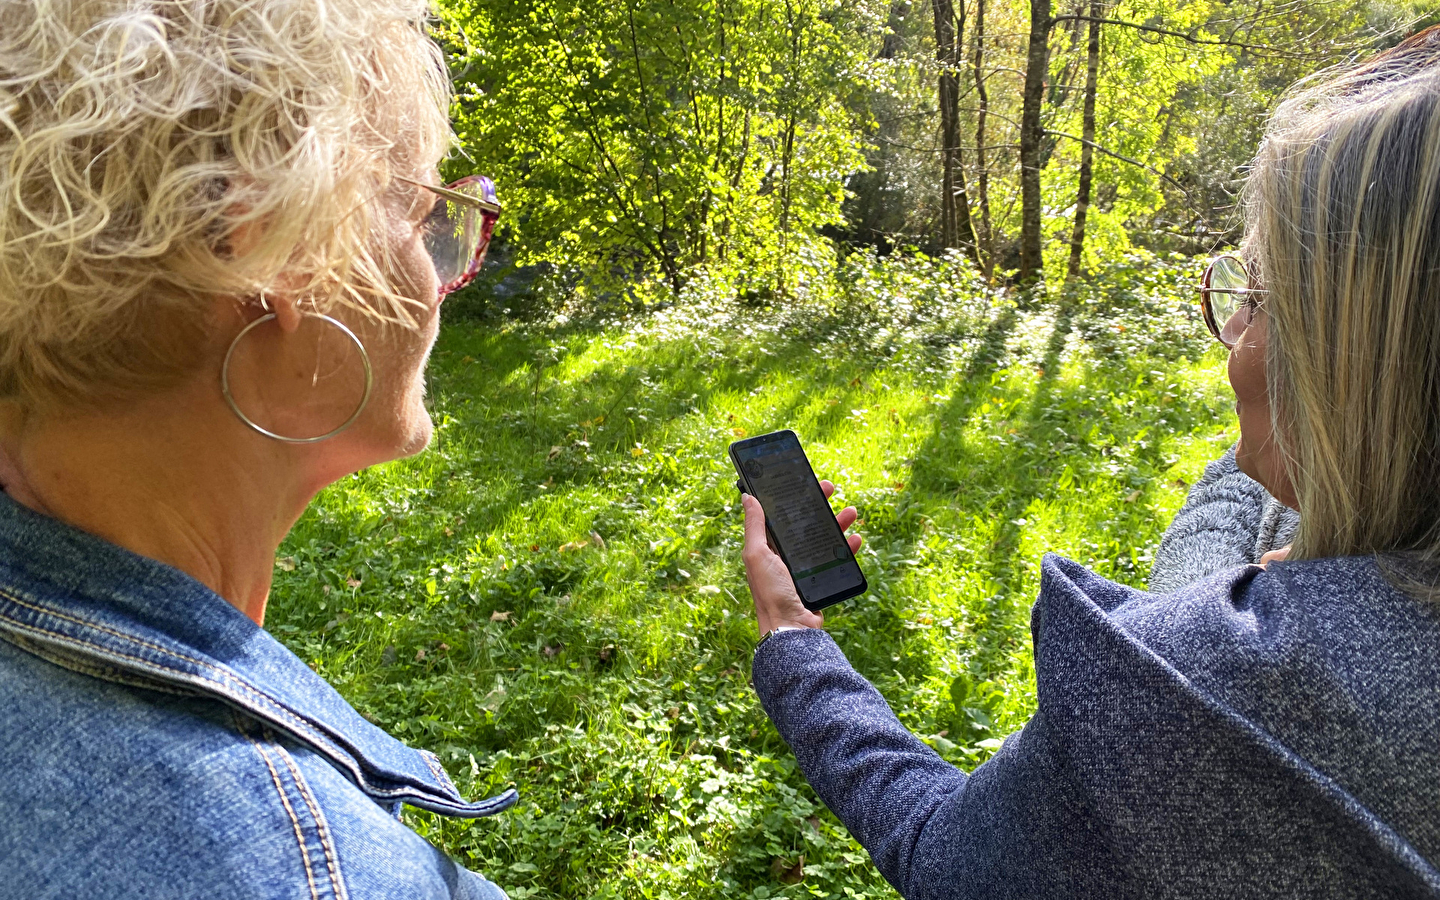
x=1228, y=520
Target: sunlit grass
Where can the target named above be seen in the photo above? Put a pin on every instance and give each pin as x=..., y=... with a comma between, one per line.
x=551, y=596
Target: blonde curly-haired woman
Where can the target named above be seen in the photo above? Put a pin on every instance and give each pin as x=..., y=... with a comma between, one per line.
x=1264, y=731
x=222, y=252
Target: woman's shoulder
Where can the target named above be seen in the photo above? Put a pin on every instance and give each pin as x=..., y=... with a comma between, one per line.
x=1339, y=612
x=169, y=794
x=1319, y=674
x=1256, y=635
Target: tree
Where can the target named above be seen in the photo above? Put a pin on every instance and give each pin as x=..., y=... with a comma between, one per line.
x=1087, y=149
x=956, y=228
x=986, y=235
x=648, y=138
x=1032, y=135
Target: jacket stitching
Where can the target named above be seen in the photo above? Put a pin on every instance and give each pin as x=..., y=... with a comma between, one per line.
x=220, y=675
x=332, y=860
x=226, y=679
x=220, y=681
x=435, y=768
x=97, y=626
x=294, y=820
x=95, y=670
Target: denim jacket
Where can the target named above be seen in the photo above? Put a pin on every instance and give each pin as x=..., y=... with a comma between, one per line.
x=156, y=743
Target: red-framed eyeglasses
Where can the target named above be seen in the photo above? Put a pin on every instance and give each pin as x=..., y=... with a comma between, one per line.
x=458, y=228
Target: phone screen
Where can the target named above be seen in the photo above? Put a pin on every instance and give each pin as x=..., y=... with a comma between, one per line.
x=775, y=471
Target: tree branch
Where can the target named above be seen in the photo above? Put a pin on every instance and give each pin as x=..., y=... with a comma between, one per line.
x=1134, y=162
x=1190, y=38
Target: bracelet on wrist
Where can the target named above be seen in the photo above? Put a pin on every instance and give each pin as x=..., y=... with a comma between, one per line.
x=776, y=630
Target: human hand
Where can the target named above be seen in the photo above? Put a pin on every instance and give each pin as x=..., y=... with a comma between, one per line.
x=1275, y=555
x=776, y=601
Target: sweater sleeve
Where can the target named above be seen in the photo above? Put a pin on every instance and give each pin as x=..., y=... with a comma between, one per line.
x=1218, y=528
x=932, y=831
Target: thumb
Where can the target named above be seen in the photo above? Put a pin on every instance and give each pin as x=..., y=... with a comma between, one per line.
x=755, y=540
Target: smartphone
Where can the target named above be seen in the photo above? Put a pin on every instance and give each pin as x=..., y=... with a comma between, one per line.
x=773, y=469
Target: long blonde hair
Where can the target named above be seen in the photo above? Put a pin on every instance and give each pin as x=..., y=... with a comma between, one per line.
x=1343, y=209
x=137, y=136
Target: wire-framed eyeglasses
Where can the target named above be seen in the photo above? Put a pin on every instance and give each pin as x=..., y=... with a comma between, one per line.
x=458, y=228
x=1228, y=299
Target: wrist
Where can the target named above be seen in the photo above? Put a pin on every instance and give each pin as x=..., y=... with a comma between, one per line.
x=767, y=634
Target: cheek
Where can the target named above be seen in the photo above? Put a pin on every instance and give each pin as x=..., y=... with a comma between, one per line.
x=1247, y=374
x=1247, y=371
x=415, y=276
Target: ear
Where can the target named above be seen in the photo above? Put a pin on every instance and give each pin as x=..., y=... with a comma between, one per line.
x=286, y=310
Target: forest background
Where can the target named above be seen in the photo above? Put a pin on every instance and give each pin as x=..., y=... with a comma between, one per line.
x=953, y=245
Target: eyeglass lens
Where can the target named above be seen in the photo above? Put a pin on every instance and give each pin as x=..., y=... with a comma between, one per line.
x=458, y=234
x=1227, y=290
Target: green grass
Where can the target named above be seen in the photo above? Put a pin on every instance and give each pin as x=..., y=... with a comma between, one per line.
x=552, y=596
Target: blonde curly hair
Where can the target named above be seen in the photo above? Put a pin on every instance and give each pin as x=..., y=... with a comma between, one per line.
x=137, y=136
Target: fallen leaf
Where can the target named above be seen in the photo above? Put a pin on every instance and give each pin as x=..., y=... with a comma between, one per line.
x=813, y=822
x=352, y=582
x=1180, y=483
x=449, y=532
x=493, y=699
x=554, y=452
x=1132, y=497
x=550, y=651
x=420, y=654
x=285, y=563
x=500, y=616
x=786, y=873
x=573, y=545
x=672, y=713
x=599, y=541
x=443, y=648
x=534, y=548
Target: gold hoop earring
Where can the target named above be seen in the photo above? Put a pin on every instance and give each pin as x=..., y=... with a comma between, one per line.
x=235, y=407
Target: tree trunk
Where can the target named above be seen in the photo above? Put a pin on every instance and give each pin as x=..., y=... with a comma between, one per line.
x=1032, y=132
x=955, y=227
x=986, y=235
x=899, y=9
x=1087, y=153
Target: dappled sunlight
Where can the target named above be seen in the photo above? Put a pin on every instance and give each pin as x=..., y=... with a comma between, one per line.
x=552, y=596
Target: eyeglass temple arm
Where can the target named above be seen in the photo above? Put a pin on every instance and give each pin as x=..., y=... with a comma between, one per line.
x=454, y=195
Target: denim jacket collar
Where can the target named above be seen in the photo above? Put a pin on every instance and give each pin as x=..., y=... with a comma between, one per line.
x=99, y=609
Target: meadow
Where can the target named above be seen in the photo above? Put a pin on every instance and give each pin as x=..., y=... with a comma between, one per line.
x=551, y=596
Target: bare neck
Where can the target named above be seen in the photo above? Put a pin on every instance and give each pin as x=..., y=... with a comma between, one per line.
x=175, y=479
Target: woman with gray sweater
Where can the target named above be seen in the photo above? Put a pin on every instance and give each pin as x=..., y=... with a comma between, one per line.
x=1253, y=730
